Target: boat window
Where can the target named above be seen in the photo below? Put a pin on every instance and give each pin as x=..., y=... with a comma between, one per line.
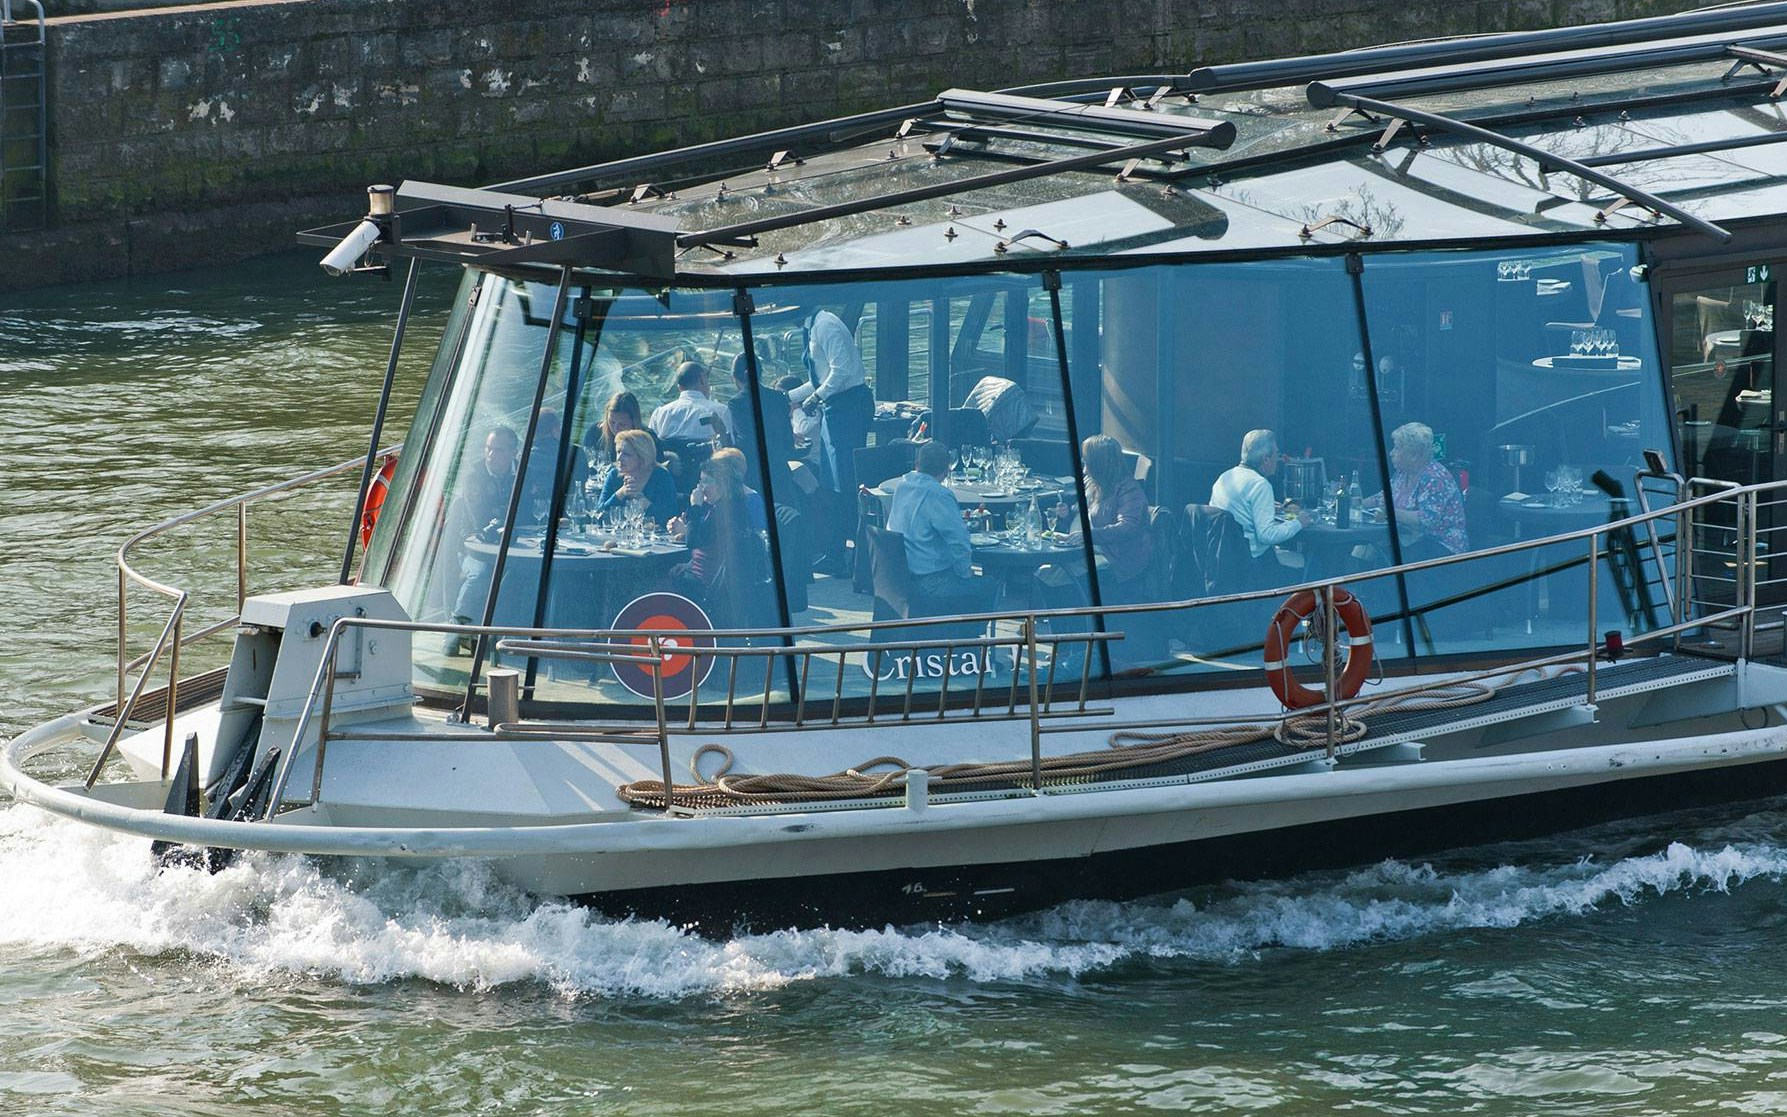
x=945, y=484
x=393, y=523
x=1517, y=394
x=1220, y=407
x=465, y=449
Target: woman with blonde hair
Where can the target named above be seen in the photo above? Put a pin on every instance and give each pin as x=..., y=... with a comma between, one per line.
x=1118, y=510
x=638, y=476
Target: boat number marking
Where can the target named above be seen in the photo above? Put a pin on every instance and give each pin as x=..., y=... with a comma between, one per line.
x=556, y=230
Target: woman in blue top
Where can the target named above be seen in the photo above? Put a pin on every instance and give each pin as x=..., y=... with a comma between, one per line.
x=638, y=476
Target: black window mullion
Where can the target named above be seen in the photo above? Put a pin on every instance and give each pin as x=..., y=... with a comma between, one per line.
x=1355, y=267
x=744, y=307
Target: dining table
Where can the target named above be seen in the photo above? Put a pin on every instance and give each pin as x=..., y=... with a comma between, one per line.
x=595, y=572
x=997, y=499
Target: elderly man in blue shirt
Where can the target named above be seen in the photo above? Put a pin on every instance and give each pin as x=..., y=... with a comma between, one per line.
x=937, y=549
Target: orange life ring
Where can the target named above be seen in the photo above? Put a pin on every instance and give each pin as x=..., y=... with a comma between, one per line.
x=1299, y=608
x=375, y=499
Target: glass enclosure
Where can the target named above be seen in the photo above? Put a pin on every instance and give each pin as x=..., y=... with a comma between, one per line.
x=947, y=446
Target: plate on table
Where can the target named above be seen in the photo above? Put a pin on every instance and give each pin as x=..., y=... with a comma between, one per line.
x=983, y=539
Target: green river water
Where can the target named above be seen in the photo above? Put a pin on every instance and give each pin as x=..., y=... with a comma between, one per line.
x=1636, y=969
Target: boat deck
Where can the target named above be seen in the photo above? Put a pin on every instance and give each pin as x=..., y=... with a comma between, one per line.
x=1509, y=703
x=1384, y=730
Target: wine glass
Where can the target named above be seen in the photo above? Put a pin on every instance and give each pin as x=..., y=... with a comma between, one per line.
x=1553, y=482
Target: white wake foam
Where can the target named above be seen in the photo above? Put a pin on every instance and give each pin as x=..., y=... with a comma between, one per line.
x=71, y=887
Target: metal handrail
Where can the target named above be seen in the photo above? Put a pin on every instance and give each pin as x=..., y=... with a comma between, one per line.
x=128, y=574
x=610, y=645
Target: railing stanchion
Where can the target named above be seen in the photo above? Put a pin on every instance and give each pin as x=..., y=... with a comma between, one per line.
x=1035, y=712
x=241, y=556
x=1331, y=634
x=1594, y=561
x=657, y=667
x=123, y=635
x=111, y=741
x=173, y=700
x=322, y=729
x=1746, y=572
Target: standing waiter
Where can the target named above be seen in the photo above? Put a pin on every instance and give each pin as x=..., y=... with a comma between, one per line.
x=837, y=383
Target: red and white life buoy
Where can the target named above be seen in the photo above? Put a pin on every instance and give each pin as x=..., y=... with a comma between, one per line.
x=375, y=499
x=1299, y=608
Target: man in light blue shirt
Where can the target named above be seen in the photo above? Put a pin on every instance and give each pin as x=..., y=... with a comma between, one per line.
x=1244, y=493
x=927, y=516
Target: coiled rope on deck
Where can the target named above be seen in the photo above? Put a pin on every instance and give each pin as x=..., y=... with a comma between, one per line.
x=1127, y=749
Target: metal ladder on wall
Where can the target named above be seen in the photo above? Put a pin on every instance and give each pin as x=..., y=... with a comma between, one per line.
x=24, y=121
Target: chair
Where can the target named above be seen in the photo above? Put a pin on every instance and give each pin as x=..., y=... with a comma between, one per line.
x=967, y=426
x=1223, y=557
x=684, y=458
x=797, y=556
x=892, y=578
x=1046, y=457
x=1163, y=535
x=877, y=464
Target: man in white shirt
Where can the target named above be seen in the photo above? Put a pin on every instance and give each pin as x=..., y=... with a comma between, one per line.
x=692, y=416
x=1244, y=493
x=938, y=553
x=839, y=384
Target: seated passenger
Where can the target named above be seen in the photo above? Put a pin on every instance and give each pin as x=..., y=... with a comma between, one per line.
x=621, y=414
x=727, y=555
x=692, y=416
x=1118, y=510
x=638, y=476
x=1429, y=506
x=938, y=553
x=1245, y=494
x=476, y=513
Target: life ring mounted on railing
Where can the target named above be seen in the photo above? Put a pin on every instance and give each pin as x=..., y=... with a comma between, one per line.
x=375, y=498
x=1297, y=609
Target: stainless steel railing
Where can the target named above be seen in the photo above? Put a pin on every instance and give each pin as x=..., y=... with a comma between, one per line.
x=173, y=635
x=1036, y=700
x=1714, y=557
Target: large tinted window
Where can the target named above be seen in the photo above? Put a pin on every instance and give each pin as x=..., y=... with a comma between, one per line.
x=933, y=475
x=1221, y=408
x=1518, y=393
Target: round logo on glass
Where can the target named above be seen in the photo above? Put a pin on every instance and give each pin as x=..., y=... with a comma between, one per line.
x=678, y=623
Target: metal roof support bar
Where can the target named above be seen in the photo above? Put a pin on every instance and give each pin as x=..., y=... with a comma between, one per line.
x=1544, y=158
x=1161, y=85
x=1535, y=68
x=1220, y=135
x=1730, y=143
x=629, y=172
x=1514, y=118
x=1099, y=119
x=1378, y=60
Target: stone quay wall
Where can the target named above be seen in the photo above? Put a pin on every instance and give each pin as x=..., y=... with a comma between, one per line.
x=209, y=133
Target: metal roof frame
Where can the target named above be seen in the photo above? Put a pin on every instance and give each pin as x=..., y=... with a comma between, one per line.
x=1473, y=76
x=1218, y=134
x=1545, y=159
x=495, y=230
x=1389, y=59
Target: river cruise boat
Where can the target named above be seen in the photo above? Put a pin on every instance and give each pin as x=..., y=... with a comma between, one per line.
x=1082, y=490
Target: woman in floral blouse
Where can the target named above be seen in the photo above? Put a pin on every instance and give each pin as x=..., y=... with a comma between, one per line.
x=1429, y=507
